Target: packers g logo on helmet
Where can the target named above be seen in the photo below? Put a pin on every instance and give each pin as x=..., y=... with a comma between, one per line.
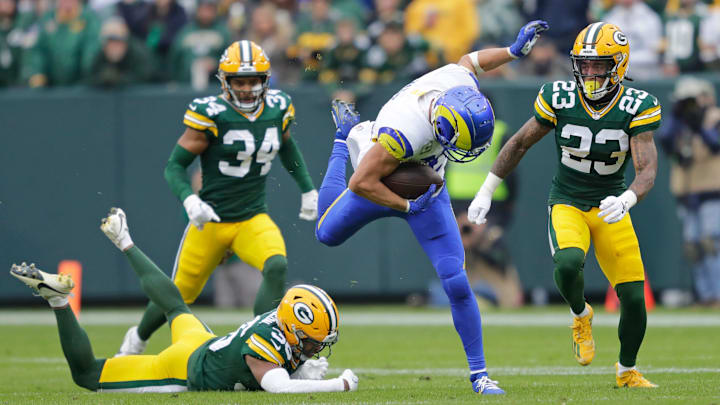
x=244, y=59
x=600, y=42
x=308, y=318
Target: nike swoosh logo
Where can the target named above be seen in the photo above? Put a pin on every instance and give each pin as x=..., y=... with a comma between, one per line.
x=192, y=107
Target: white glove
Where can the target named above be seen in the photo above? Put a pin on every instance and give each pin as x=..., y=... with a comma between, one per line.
x=613, y=209
x=311, y=370
x=350, y=378
x=308, y=206
x=480, y=205
x=199, y=212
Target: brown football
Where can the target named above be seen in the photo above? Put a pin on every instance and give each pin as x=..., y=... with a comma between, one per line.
x=411, y=179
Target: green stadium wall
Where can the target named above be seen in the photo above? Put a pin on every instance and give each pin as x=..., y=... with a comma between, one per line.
x=68, y=155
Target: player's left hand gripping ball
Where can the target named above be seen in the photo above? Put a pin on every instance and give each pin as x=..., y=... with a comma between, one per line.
x=613, y=209
x=526, y=38
x=308, y=205
x=422, y=203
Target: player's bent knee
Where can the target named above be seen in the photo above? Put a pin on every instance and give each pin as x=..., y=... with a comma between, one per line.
x=631, y=294
x=569, y=261
x=275, y=266
x=326, y=238
x=89, y=379
x=454, y=280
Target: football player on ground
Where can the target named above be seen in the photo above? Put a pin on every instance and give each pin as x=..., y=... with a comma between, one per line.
x=272, y=352
x=598, y=124
x=237, y=135
x=440, y=116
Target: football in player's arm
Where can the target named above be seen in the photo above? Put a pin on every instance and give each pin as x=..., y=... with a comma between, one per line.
x=599, y=123
x=237, y=135
x=273, y=352
x=438, y=117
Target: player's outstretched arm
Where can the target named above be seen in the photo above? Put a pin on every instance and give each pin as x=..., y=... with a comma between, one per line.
x=644, y=155
x=488, y=59
x=190, y=144
x=277, y=380
x=293, y=161
x=508, y=158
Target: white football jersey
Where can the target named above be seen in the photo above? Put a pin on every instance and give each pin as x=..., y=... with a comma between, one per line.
x=403, y=124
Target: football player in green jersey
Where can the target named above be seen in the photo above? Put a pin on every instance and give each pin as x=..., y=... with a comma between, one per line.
x=598, y=122
x=272, y=352
x=237, y=135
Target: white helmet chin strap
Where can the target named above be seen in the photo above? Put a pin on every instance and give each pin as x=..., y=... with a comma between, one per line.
x=257, y=91
x=598, y=93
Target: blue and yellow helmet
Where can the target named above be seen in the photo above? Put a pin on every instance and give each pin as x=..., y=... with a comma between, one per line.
x=463, y=122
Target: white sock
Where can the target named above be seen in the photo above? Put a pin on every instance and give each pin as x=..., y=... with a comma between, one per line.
x=585, y=312
x=125, y=243
x=58, y=302
x=622, y=369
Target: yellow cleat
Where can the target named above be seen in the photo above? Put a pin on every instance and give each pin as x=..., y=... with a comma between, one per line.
x=583, y=343
x=632, y=379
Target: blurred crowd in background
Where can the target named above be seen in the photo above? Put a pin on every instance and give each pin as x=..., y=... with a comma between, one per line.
x=346, y=45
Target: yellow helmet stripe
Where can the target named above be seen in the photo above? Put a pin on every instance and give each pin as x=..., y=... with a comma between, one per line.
x=326, y=301
x=591, y=35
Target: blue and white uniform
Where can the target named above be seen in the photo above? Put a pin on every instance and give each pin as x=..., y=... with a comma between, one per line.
x=403, y=127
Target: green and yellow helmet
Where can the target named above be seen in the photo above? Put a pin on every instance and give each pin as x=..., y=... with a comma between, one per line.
x=600, y=41
x=244, y=59
x=309, y=319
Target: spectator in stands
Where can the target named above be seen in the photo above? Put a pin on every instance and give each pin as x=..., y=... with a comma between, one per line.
x=396, y=56
x=11, y=43
x=314, y=36
x=122, y=61
x=545, y=61
x=272, y=29
x=682, y=36
x=196, y=50
x=450, y=26
x=643, y=28
x=343, y=62
x=354, y=9
x=691, y=137
x=157, y=23
x=710, y=38
x=500, y=20
x=566, y=18
x=66, y=44
x=385, y=11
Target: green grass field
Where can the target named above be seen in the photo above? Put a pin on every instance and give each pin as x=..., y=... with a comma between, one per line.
x=403, y=356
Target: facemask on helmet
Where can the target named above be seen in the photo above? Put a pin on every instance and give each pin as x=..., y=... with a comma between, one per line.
x=245, y=59
x=463, y=122
x=309, y=319
x=600, y=58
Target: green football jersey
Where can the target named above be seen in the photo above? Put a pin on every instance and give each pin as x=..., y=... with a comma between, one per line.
x=219, y=364
x=592, y=146
x=240, y=151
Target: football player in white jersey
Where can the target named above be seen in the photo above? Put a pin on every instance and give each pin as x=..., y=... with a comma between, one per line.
x=441, y=115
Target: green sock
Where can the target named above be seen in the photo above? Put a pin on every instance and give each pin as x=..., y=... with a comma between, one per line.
x=84, y=367
x=156, y=285
x=153, y=318
x=633, y=320
x=273, y=285
x=569, y=277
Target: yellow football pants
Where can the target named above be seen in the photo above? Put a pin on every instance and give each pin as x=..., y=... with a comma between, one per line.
x=253, y=241
x=616, y=245
x=164, y=372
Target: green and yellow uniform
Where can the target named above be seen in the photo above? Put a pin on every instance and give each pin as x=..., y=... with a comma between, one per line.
x=593, y=147
x=198, y=360
x=234, y=168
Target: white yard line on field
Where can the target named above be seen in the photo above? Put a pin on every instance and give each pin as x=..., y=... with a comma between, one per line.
x=534, y=370
x=358, y=318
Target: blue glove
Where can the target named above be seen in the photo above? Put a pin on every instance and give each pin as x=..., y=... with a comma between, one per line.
x=526, y=38
x=422, y=203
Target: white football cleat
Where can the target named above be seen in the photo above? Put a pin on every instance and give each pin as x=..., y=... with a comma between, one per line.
x=53, y=287
x=131, y=344
x=116, y=229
